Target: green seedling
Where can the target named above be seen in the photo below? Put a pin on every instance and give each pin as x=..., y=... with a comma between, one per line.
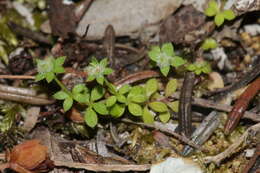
x=165, y=58
x=200, y=67
x=48, y=69
x=105, y=99
x=219, y=14
x=97, y=70
x=209, y=43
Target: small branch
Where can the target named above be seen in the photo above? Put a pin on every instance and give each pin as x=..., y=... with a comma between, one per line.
x=221, y=107
x=253, y=159
x=16, y=77
x=36, y=36
x=102, y=167
x=136, y=77
x=241, y=105
x=34, y=100
x=232, y=148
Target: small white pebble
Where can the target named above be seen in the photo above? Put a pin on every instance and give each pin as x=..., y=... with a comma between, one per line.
x=249, y=152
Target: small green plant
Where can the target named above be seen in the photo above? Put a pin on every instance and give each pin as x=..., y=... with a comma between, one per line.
x=165, y=57
x=214, y=9
x=200, y=67
x=105, y=99
x=50, y=67
x=97, y=70
x=209, y=43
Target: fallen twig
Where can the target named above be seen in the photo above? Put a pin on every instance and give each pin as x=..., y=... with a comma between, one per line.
x=232, y=148
x=36, y=36
x=184, y=113
x=102, y=167
x=241, y=105
x=253, y=159
x=218, y=106
x=16, y=77
x=136, y=77
x=23, y=95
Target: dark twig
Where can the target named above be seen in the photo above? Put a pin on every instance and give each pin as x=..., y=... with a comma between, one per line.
x=136, y=77
x=218, y=106
x=241, y=105
x=109, y=44
x=36, y=36
x=252, y=161
x=185, y=104
x=23, y=95
x=243, y=81
x=204, y=131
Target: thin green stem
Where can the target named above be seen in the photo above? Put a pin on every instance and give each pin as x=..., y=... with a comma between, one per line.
x=62, y=86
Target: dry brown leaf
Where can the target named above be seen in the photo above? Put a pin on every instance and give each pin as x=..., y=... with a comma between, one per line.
x=29, y=154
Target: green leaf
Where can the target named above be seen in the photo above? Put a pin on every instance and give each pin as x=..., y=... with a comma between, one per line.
x=121, y=98
x=165, y=70
x=148, y=117
x=100, y=80
x=167, y=48
x=174, y=106
x=198, y=71
x=59, y=70
x=210, y=12
x=206, y=69
x=219, y=19
x=229, y=14
x=135, y=91
x=171, y=87
x=67, y=103
x=58, y=65
x=191, y=67
x=100, y=108
x=117, y=110
x=177, y=61
x=124, y=89
x=111, y=87
x=49, y=76
x=104, y=62
x=39, y=76
x=79, y=88
x=108, y=71
x=151, y=87
x=164, y=117
x=110, y=101
x=139, y=98
x=212, y=9
x=60, y=61
x=46, y=65
x=135, y=109
x=158, y=106
x=209, y=43
x=97, y=93
x=90, y=78
x=154, y=53
x=90, y=117
x=81, y=98
x=60, y=95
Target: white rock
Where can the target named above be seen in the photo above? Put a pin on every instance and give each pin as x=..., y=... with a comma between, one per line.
x=176, y=165
x=128, y=17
